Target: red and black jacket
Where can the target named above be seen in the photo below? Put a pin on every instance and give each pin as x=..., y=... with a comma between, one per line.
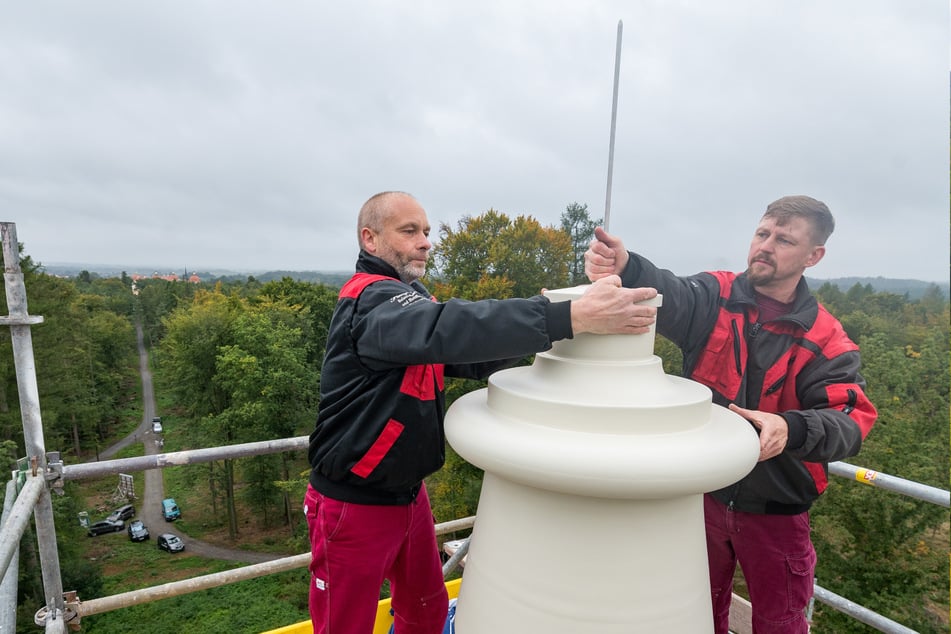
x=379, y=426
x=801, y=366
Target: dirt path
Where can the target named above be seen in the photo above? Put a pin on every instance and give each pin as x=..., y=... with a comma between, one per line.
x=150, y=506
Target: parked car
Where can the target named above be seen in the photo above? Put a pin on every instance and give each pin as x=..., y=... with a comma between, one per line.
x=105, y=526
x=137, y=531
x=171, y=543
x=157, y=425
x=170, y=510
x=122, y=513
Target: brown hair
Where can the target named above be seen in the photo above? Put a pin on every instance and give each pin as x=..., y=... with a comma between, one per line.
x=815, y=212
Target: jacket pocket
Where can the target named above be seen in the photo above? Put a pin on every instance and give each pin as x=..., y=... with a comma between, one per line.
x=716, y=366
x=800, y=579
x=378, y=450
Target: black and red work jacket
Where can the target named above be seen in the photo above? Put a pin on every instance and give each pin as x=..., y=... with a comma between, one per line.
x=801, y=366
x=379, y=425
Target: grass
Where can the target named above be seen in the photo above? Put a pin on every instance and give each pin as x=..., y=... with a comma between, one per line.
x=249, y=607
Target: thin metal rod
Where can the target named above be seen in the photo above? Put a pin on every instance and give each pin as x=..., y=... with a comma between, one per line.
x=860, y=613
x=916, y=490
x=455, y=525
x=617, y=80
x=456, y=557
x=192, y=456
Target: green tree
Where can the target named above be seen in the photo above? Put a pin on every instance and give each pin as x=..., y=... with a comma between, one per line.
x=81, y=358
x=493, y=256
x=115, y=293
x=532, y=256
x=157, y=299
x=272, y=389
x=878, y=548
x=461, y=258
x=579, y=226
x=194, y=335
x=240, y=368
x=317, y=302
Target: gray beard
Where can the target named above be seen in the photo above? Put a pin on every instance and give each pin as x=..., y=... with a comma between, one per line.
x=408, y=273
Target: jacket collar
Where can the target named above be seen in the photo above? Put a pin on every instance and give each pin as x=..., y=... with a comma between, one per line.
x=367, y=263
x=805, y=308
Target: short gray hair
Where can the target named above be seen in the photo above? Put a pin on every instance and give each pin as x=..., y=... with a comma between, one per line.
x=375, y=210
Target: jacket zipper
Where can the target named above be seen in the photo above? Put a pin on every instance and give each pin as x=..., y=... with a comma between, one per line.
x=736, y=348
x=775, y=386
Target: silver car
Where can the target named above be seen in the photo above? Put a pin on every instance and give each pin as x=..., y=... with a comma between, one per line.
x=171, y=543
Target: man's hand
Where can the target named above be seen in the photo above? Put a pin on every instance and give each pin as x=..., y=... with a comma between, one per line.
x=773, y=431
x=605, y=256
x=608, y=309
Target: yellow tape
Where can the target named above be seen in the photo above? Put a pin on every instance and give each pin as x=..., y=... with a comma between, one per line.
x=866, y=476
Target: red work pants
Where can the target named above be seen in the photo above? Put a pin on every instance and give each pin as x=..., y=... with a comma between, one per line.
x=778, y=563
x=355, y=546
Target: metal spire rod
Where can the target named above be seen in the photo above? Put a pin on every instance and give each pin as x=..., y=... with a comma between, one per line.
x=617, y=75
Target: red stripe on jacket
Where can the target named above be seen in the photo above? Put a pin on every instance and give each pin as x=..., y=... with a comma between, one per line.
x=380, y=447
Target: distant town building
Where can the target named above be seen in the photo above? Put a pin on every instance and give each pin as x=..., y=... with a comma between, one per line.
x=168, y=277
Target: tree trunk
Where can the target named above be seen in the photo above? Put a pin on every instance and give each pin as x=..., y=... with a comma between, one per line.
x=76, y=446
x=229, y=497
x=285, y=476
x=211, y=489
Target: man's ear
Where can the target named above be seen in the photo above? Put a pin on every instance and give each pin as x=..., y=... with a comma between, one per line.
x=816, y=255
x=368, y=239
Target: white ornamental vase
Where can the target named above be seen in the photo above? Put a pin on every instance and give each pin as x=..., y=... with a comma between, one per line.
x=590, y=518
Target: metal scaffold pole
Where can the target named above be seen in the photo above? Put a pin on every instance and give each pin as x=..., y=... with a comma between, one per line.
x=8, y=587
x=19, y=322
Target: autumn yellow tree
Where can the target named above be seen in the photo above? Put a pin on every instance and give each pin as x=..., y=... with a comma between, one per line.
x=493, y=256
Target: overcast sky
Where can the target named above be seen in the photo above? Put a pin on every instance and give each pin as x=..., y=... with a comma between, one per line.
x=213, y=135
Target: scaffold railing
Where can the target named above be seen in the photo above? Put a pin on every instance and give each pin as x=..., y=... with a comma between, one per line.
x=57, y=473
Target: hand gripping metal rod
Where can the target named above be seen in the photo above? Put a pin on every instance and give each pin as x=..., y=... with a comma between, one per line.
x=617, y=76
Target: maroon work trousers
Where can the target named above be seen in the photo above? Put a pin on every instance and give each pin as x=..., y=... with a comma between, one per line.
x=354, y=547
x=778, y=561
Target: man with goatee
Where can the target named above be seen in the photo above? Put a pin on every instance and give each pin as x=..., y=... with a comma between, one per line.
x=771, y=353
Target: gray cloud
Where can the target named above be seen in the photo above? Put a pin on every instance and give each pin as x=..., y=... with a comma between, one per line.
x=245, y=136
